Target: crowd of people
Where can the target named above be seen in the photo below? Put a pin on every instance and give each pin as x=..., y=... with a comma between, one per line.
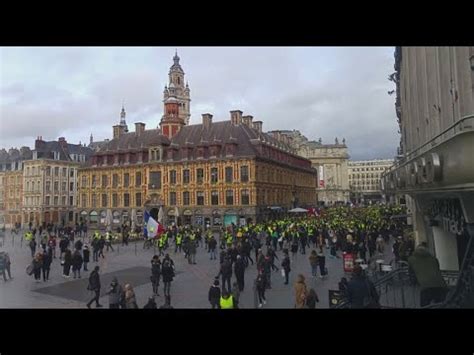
x=364, y=232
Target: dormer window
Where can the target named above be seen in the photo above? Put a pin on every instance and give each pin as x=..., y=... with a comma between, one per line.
x=156, y=154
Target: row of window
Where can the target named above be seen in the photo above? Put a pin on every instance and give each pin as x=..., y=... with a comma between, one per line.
x=12, y=180
x=369, y=169
x=49, y=201
x=200, y=201
x=36, y=170
x=363, y=176
x=156, y=180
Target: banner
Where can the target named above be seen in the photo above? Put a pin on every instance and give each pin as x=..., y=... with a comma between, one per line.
x=321, y=176
x=348, y=262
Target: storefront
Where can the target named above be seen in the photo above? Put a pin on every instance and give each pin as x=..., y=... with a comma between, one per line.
x=230, y=217
x=187, y=216
x=216, y=219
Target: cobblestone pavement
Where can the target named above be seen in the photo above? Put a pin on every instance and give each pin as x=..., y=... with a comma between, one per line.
x=131, y=264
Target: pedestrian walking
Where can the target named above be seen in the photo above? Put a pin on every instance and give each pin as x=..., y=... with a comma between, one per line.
x=94, y=285
x=167, y=272
x=37, y=265
x=101, y=245
x=301, y=292
x=239, y=271
x=313, y=262
x=226, y=300
x=47, y=260
x=108, y=241
x=285, y=266
x=212, y=245
x=77, y=261
x=261, y=287
x=361, y=292
x=67, y=262
x=32, y=245
x=226, y=273
x=115, y=294
x=85, y=256
x=95, y=249
x=130, y=298
x=155, y=273
x=426, y=270
x=215, y=294
x=322, y=265
x=235, y=294
x=3, y=265
x=312, y=299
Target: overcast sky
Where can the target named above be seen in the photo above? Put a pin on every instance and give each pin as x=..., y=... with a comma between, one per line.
x=324, y=92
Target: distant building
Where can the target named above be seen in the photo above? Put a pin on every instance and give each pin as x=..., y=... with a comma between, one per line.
x=50, y=181
x=330, y=162
x=11, y=184
x=364, y=179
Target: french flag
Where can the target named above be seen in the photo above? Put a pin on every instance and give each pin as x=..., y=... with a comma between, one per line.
x=152, y=227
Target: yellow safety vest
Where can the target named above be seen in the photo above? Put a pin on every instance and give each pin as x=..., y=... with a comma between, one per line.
x=227, y=303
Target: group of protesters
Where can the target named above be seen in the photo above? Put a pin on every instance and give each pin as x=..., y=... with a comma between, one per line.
x=270, y=247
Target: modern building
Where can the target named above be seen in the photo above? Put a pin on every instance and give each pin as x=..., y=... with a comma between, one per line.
x=435, y=109
x=364, y=179
x=50, y=181
x=11, y=184
x=330, y=161
x=212, y=173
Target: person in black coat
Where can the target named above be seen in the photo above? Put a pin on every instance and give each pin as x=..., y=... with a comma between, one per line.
x=47, y=260
x=78, y=245
x=116, y=294
x=322, y=264
x=226, y=273
x=312, y=299
x=85, y=256
x=215, y=294
x=285, y=264
x=94, y=285
x=167, y=272
x=67, y=262
x=239, y=270
x=155, y=273
x=361, y=292
x=77, y=263
x=63, y=243
x=33, y=247
x=101, y=245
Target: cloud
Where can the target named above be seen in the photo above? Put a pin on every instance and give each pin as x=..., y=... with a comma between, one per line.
x=323, y=92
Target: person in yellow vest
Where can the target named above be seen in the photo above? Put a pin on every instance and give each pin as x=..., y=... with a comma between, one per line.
x=161, y=244
x=178, y=242
x=226, y=301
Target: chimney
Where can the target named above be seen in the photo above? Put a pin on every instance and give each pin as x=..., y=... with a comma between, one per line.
x=62, y=142
x=39, y=143
x=118, y=131
x=139, y=128
x=247, y=120
x=257, y=125
x=206, y=120
x=236, y=117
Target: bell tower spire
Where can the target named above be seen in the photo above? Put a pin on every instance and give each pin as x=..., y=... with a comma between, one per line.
x=179, y=89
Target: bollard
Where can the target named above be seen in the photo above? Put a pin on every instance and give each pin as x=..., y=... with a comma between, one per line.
x=21, y=242
x=13, y=241
x=135, y=249
x=118, y=247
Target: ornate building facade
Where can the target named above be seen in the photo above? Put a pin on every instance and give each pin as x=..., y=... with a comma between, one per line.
x=50, y=181
x=330, y=161
x=213, y=173
x=364, y=179
x=11, y=184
